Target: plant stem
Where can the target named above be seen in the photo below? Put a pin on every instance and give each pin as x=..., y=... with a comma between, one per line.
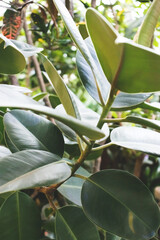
x=146, y=31
x=80, y=176
x=102, y=147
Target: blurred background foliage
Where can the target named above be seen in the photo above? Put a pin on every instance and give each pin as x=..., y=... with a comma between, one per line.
x=38, y=23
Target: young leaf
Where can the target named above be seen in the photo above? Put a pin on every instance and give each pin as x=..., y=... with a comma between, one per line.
x=20, y=218
x=121, y=204
x=72, y=224
x=31, y=168
x=27, y=130
x=136, y=138
x=12, y=60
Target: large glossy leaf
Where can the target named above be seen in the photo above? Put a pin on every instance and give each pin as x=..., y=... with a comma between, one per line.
x=27, y=130
x=126, y=101
x=12, y=60
x=31, y=168
x=71, y=189
x=136, y=138
x=19, y=218
x=77, y=38
x=9, y=98
x=60, y=87
x=86, y=74
x=121, y=59
x=72, y=224
x=121, y=204
x=26, y=49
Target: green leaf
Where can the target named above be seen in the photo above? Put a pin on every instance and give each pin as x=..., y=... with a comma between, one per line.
x=136, y=138
x=12, y=60
x=103, y=36
x=77, y=38
x=86, y=74
x=9, y=98
x=20, y=218
x=121, y=59
x=121, y=204
x=126, y=101
x=39, y=96
x=54, y=100
x=83, y=30
x=27, y=130
x=31, y=168
x=71, y=189
x=72, y=224
x=60, y=87
x=26, y=49
x=110, y=236
x=155, y=106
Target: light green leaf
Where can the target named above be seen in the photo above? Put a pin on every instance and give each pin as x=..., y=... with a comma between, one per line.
x=12, y=60
x=103, y=36
x=121, y=59
x=71, y=189
x=72, y=224
x=27, y=130
x=9, y=98
x=126, y=101
x=39, y=96
x=60, y=87
x=136, y=138
x=31, y=168
x=19, y=218
x=26, y=49
x=121, y=204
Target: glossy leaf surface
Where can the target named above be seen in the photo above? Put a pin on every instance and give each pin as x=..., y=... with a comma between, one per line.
x=20, y=218
x=72, y=224
x=136, y=138
x=86, y=74
x=23, y=102
x=71, y=189
x=31, y=168
x=12, y=60
x=4, y=151
x=123, y=205
x=125, y=101
x=117, y=54
x=27, y=130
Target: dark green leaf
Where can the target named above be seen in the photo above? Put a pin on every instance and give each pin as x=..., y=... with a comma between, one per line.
x=19, y=218
x=12, y=60
x=72, y=224
x=136, y=138
x=121, y=204
x=31, y=168
x=27, y=130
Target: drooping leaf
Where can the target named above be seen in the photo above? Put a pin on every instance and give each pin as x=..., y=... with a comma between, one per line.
x=11, y=23
x=86, y=74
x=66, y=226
x=121, y=59
x=136, y=138
x=12, y=60
x=23, y=102
x=77, y=38
x=121, y=204
x=126, y=101
x=71, y=189
x=31, y=168
x=27, y=130
x=26, y=49
x=20, y=218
